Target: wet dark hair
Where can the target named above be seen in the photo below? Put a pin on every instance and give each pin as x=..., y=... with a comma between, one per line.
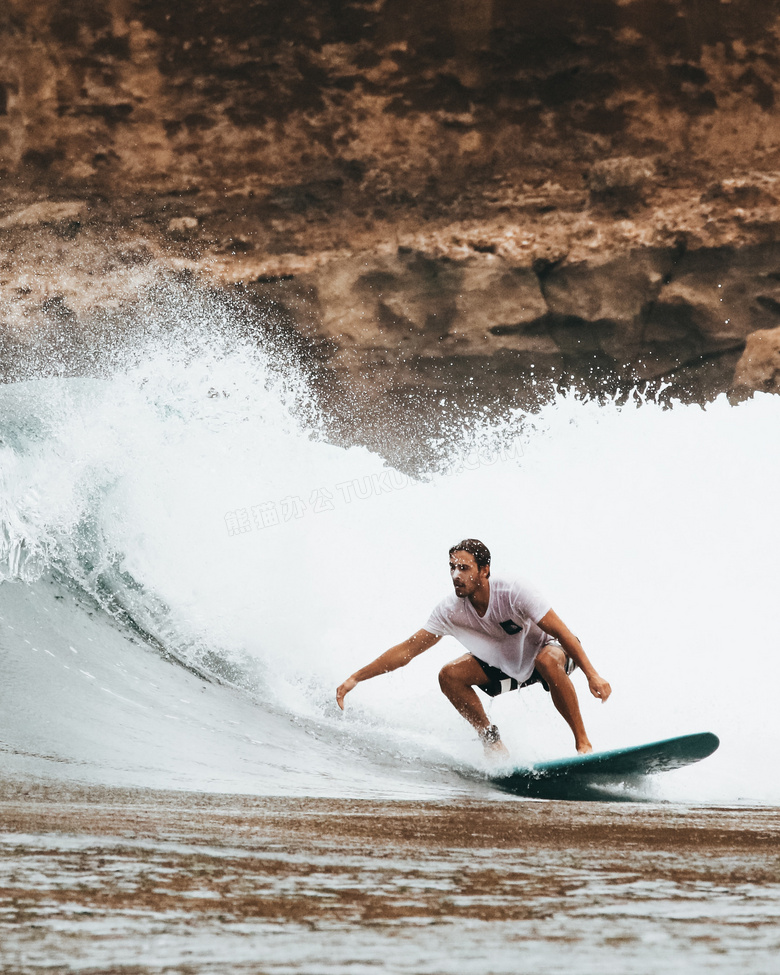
x=474, y=547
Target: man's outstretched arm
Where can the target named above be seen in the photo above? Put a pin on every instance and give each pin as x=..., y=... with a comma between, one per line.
x=392, y=659
x=552, y=623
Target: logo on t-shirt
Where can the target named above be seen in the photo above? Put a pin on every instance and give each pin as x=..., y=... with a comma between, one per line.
x=509, y=626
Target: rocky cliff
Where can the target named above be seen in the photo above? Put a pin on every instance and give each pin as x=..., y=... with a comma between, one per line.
x=456, y=200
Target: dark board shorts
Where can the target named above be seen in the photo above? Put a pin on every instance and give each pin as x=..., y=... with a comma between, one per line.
x=501, y=683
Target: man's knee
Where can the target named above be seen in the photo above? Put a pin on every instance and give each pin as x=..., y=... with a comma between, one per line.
x=447, y=677
x=458, y=674
x=551, y=661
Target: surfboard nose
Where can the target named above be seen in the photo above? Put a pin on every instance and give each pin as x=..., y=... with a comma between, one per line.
x=703, y=744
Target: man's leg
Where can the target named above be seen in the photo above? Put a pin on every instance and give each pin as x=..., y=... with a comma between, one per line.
x=551, y=664
x=457, y=680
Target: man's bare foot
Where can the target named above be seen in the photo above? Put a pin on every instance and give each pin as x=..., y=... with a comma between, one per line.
x=584, y=747
x=496, y=753
x=495, y=749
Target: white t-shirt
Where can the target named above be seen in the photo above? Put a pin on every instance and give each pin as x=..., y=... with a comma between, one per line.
x=507, y=636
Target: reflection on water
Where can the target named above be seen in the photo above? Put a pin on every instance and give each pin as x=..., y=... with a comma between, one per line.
x=321, y=886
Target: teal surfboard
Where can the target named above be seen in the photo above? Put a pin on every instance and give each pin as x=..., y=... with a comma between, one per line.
x=592, y=776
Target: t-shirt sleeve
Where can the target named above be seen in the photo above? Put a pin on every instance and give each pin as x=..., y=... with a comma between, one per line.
x=438, y=624
x=529, y=602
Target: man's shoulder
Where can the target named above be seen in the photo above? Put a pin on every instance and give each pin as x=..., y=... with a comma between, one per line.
x=444, y=615
x=518, y=591
x=450, y=608
x=448, y=604
x=511, y=584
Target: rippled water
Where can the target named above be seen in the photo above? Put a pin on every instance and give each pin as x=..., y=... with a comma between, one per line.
x=179, y=884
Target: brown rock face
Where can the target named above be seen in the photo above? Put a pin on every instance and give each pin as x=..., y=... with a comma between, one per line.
x=461, y=199
x=759, y=367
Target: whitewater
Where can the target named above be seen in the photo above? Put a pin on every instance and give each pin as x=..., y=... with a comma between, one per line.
x=190, y=567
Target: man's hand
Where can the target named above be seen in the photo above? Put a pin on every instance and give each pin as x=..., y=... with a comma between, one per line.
x=599, y=687
x=344, y=689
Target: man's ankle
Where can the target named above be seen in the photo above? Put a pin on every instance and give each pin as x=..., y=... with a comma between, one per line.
x=489, y=736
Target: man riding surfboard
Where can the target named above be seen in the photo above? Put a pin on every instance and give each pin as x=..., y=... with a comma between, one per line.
x=513, y=637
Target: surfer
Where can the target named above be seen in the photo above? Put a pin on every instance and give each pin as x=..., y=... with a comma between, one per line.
x=514, y=639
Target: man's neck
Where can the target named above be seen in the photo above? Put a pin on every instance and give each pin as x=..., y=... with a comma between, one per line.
x=481, y=599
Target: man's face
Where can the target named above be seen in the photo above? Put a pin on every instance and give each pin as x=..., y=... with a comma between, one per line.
x=466, y=576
